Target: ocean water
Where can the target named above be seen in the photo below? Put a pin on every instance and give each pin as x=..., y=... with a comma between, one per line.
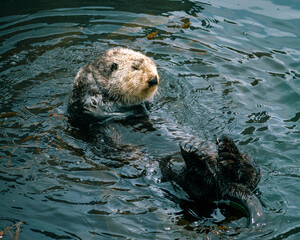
x=226, y=67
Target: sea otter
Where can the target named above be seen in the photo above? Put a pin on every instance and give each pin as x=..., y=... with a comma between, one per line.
x=114, y=88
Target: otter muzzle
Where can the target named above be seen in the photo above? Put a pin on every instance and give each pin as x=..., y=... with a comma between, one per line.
x=152, y=82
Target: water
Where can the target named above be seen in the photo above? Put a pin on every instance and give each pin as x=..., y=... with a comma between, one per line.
x=226, y=67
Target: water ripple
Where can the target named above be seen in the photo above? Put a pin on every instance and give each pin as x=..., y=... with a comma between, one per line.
x=226, y=68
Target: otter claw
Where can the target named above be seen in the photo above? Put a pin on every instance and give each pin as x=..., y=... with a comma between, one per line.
x=187, y=147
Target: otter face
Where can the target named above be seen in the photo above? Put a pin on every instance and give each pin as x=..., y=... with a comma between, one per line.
x=131, y=77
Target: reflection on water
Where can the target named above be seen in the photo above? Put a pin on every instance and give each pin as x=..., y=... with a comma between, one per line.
x=226, y=67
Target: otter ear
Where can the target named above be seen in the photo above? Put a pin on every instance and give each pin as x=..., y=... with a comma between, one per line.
x=114, y=67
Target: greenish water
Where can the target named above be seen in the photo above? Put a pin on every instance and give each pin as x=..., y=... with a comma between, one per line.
x=226, y=67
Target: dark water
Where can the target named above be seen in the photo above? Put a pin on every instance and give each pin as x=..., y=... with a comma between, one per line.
x=226, y=68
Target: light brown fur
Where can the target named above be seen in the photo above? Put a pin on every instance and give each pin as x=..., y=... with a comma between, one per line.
x=128, y=84
x=119, y=77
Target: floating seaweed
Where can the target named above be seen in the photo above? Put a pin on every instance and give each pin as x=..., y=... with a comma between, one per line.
x=13, y=231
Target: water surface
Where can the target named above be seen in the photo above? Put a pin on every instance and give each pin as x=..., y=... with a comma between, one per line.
x=226, y=67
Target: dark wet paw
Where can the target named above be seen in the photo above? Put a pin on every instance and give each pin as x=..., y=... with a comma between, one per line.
x=228, y=152
x=226, y=145
x=187, y=148
x=191, y=153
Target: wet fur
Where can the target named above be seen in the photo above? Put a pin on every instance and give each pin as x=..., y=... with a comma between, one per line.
x=112, y=85
x=115, y=87
x=218, y=172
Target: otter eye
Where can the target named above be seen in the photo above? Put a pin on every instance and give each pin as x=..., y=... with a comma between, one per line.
x=135, y=68
x=114, y=67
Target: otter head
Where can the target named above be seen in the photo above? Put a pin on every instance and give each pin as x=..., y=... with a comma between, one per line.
x=128, y=76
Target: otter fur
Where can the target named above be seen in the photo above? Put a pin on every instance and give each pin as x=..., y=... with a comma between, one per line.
x=218, y=172
x=116, y=86
x=113, y=87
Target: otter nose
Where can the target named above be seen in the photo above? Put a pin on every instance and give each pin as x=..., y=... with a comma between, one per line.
x=152, y=82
